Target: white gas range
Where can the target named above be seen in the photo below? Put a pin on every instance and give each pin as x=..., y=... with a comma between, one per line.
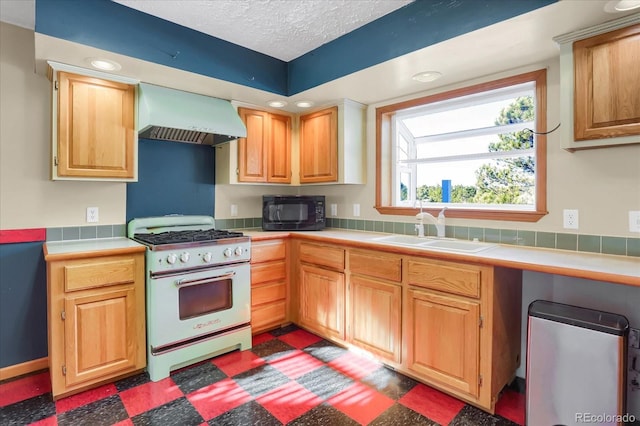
x=198, y=290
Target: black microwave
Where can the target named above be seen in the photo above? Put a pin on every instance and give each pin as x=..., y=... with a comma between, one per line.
x=293, y=212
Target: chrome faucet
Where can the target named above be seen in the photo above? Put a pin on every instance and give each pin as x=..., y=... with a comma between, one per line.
x=420, y=224
x=440, y=222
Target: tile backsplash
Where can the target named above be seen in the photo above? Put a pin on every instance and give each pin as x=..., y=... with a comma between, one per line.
x=624, y=246
x=86, y=232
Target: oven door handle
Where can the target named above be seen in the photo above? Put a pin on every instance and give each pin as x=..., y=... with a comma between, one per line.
x=186, y=283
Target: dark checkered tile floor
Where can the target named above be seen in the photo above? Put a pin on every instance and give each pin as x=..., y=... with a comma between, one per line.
x=289, y=377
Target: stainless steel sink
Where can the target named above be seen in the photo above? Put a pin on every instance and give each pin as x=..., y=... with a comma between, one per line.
x=456, y=245
x=400, y=239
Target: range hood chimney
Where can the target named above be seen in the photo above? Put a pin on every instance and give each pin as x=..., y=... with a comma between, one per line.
x=174, y=115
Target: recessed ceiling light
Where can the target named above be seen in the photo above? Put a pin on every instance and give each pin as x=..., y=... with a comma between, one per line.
x=104, y=64
x=277, y=104
x=615, y=6
x=427, y=76
x=304, y=104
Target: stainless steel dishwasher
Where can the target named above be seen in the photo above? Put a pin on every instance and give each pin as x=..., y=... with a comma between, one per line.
x=576, y=365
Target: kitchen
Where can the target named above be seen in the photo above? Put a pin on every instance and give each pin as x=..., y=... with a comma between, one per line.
x=603, y=184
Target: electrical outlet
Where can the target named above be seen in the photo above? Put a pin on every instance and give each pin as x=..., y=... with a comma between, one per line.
x=634, y=221
x=234, y=210
x=570, y=219
x=92, y=214
x=356, y=210
x=334, y=210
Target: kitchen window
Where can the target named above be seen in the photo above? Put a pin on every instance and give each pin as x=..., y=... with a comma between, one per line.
x=480, y=151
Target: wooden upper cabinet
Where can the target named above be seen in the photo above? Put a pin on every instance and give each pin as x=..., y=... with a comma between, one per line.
x=319, y=146
x=599, y=83
x=331, y=145
x=279, y=152
x=265, y=154
x=94, y=134
x=252, y=150
x=607, y=85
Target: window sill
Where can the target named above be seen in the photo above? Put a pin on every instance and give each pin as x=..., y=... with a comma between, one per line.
x=512, y=215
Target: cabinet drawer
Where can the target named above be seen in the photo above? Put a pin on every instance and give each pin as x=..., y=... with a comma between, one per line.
x=376, y=264
x=317, y=254
x=270, y=271
x=83, y=275
x=264, y=251
x=449, y=277
x=271, y=314
x=268, y=293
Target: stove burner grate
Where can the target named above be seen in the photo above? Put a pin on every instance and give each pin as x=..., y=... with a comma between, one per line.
x=176, y=237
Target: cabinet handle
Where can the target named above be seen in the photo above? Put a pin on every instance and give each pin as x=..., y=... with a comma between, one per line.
x=185, y=283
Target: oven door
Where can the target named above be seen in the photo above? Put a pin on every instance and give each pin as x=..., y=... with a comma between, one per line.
x=186, y=306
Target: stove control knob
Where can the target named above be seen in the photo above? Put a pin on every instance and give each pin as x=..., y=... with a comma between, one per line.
x=238, y=251
x=207, y=257
x=171, y=259
x=184, y=257
x=227, y=252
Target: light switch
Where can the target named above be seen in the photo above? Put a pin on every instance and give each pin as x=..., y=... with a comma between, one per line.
x=334, y=210
x=356, y=210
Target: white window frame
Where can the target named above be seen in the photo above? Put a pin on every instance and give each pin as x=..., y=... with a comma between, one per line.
x=388, y=192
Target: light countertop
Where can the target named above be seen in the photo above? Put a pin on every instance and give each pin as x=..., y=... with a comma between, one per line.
x=601, y=267
x=60, y=250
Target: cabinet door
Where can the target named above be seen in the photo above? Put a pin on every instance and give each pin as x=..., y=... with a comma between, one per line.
x=101, y=338
x=96, y=135
x=443, y=339
x=319, y=146
x=279, y=155
x=252, y=150
x=322, y=296
x=607, y=84
x=375, y=316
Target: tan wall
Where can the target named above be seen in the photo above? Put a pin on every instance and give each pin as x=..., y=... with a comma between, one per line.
x=602, y=184
x=28, y=199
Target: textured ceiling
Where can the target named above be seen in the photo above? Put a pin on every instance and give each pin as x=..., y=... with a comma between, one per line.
x=283, y=29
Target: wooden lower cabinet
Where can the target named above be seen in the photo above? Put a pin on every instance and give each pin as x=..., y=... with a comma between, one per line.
x=375, y=316
x=375, y=302
x=96, y=320
x=453, y=325
x=269, y=285
x=443, y=339
x=462, y=327
x=322, y=301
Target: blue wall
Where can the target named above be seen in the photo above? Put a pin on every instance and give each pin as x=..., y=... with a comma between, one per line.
x=116, y=28
x=23, y=303
x=173, y=178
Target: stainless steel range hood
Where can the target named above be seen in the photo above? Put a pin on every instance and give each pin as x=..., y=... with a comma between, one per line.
x=174, y=115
